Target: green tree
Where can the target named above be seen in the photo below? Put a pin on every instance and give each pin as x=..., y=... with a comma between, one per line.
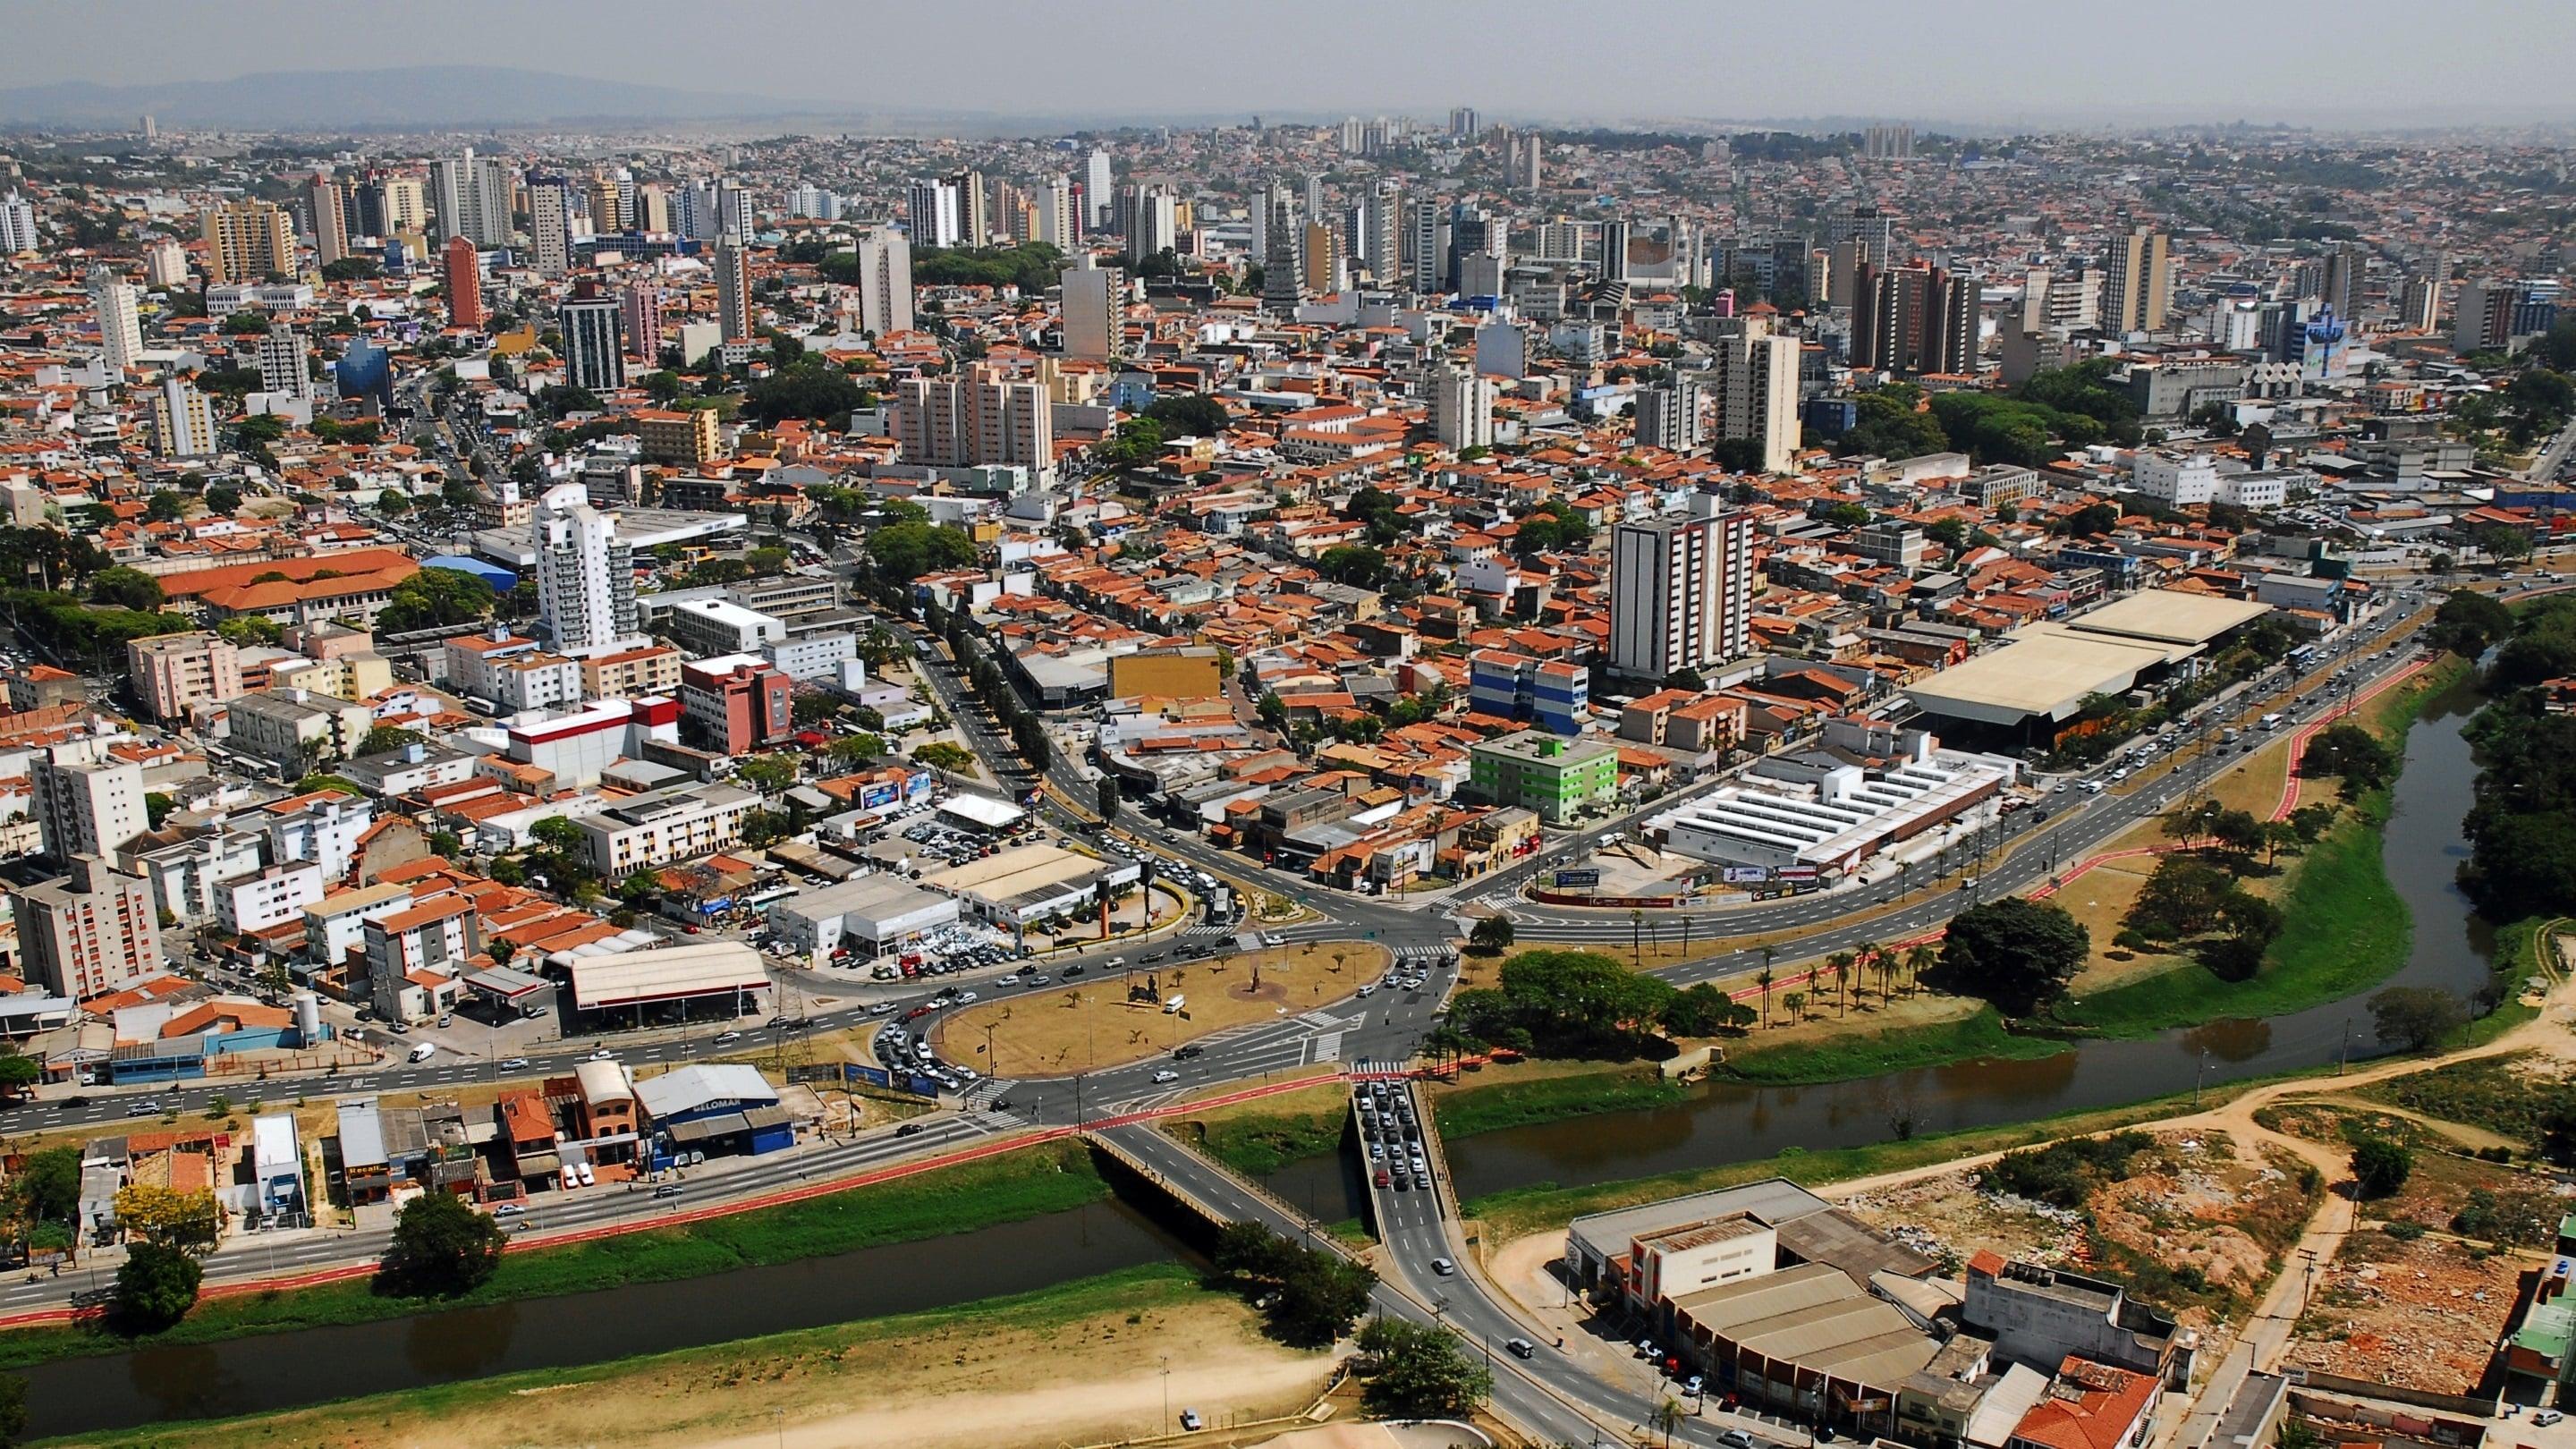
x=393, y=503
x=433, y=598
x=2413, y=1018
x=1197, y=415
x=383, y=738
x=126, y=588
x=222, y=499
x=441, y=1247
x=1358, y=566
x=2013, y=952
x=2360, y=758
x=47, y=1187
x=246, y=323
x=909, y=550
x=18, y=1072
x=157, y=1286
x=1703, y=1010
x=2380, y=1167
x=250, y=629
x=2467, y=623
x=165, y=506
x=807, y=388
x=1417, y=1371
x=1492, y=934
x=769, y=774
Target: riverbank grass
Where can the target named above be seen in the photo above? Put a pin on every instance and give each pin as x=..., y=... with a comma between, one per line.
x=1074, y=1362
x=1525, y=1094
x=1010, y=1188
x=1260, y=1137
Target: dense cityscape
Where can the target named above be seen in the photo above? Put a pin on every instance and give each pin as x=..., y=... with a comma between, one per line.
x=1431, y=778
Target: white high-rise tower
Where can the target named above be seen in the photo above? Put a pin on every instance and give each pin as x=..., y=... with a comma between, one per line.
x=120, y=318
x=585, y=574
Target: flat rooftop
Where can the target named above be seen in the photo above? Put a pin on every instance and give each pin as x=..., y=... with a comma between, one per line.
x=2170, y=616
x=2044, y=669
x=1775, y=1200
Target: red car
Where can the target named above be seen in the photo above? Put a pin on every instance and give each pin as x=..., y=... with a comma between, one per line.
x=1383, y=1179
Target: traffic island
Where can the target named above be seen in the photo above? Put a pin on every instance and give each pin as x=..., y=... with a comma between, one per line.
x=1129, y=1016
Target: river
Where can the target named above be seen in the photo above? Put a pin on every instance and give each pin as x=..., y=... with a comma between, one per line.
x=1726, y=1124
x=287, y=1370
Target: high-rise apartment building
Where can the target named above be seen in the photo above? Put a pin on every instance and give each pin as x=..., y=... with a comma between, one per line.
x=1462, y=121
x=885, y=281
x=406, y=205
x=462, y=269
x=1680, y=594
x=974, y=208
x=1888, y=143
x=326, y=202
x=248, y=240
x=733, y=288
x=2137, y=281
x=1283, y=265
x=1528, y=160
x=2419, y=306
x=984, y=419
x=1668, y=417
x=642, y=303
x=1755, y=377
x=286, y=363
x=550, y=224
x=183, y=422
x=594, y=342
x=173, y=672
x=119, y=306
x=1059, y=221
x=87, y=802
x=88, y=932
x=2339, y=281
x=1091, y=308
x=1462, y=408
x=930, y=210
x=17, y=225
x=2483, y=319
x=585, y=574
x=1096, y=190
x=1913, y=320
x=472, y=196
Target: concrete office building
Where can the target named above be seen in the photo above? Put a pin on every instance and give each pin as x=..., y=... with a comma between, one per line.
x=1090, y=310
x=659, y=827
x=710, y=627
x=1555, y=777
x=1680, y=594
x=88, y=932
x=868, y=914
x=1670, y=417
x=732, y=266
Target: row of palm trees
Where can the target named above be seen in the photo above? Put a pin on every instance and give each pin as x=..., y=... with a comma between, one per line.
x=1870, y=957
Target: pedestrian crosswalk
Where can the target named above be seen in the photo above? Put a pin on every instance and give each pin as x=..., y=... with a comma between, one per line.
x=1208, y=928
x=985, y=1092
x=1429, y=955
x=1328, y=1047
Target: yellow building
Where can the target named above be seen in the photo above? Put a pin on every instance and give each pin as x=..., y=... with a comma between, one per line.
x=685, y=436
x=247, y=240
x=631, y=673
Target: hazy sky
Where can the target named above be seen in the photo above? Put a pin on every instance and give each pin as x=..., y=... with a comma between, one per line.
x=1979, y=59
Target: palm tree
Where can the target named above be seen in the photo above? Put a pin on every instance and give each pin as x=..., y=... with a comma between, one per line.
x=1873, y=957
x=1840, y=963
x=1666, y=1417
x=1762, y=979
x=1917, y=961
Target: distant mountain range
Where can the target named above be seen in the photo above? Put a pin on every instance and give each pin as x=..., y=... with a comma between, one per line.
x=408, y=97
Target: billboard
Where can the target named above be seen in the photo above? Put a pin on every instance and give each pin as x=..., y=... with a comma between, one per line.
x=1586, y=878
x=873, y=1076
x=918, y=784
x=877, y=797
x=1797, y=872
x=921, y=1086
x=1746, y=874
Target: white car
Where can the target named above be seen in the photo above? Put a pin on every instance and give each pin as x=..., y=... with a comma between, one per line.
x=1166, y=1075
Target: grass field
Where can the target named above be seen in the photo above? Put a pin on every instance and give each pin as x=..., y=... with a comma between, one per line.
x=1843, y=1055
x=1065, y=1029
x=1258, y=1138
x=1545, y=1206
x=1004, y=1189
x=1077, y=1362
x=1496, y=1098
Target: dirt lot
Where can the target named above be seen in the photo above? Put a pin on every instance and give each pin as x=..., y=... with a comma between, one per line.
x=1094, y=1025
x=2422, y=1315
x=2206, y=1215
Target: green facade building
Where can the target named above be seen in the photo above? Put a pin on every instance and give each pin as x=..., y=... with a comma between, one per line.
x=1559, y=778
